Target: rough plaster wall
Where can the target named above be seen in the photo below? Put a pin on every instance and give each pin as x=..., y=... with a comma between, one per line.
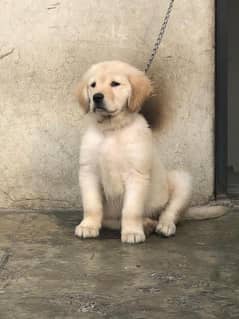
x=44, y=48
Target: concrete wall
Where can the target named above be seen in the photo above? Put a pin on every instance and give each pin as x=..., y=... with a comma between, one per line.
x=44, y=48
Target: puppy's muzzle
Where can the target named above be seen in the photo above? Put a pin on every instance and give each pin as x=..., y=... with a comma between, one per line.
x=99, y=105
x=98, y=99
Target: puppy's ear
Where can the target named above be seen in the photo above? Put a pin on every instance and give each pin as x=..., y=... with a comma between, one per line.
x=82, y=96
x=141, y=89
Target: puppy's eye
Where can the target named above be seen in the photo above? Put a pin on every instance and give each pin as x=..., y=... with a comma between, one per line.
x=114, y=83
x=93, y=84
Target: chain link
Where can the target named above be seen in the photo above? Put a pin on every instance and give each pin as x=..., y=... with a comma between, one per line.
x=160, y=36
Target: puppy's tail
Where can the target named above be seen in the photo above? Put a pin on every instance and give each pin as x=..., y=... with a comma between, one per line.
x=205, y=212
x=181, y=188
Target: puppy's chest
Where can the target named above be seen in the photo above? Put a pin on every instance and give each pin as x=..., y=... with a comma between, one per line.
x=112, y=164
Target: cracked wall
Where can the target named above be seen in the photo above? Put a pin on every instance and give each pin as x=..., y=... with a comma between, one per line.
x=44, y=48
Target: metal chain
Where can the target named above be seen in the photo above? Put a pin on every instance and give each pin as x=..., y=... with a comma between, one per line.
x=160, y=36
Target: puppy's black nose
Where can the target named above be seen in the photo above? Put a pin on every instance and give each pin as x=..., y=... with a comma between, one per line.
x=98, y=97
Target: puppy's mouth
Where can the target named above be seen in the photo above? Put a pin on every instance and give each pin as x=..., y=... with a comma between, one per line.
x=101, y=109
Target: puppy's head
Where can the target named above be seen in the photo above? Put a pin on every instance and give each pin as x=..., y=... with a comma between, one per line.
x=109, y=88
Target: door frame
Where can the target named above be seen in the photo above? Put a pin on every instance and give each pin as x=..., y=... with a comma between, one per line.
x=221, y=101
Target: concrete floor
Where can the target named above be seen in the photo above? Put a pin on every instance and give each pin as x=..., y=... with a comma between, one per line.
x=46, y=272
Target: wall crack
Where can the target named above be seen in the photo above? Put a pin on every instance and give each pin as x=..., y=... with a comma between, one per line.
x=4, y=55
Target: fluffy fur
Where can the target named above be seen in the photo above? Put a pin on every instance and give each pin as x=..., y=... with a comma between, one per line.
x=123, y=182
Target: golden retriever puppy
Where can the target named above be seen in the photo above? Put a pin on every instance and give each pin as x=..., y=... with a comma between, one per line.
x=123, y=182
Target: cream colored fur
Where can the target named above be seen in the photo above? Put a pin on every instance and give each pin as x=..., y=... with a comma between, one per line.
x=123, y=183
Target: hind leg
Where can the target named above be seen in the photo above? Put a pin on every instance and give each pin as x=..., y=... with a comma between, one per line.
x=149, y=226
x=180, y=193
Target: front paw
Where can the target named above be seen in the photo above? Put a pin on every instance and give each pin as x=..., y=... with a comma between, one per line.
x=132, y=237
x=86, y=231
x=166, y=227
